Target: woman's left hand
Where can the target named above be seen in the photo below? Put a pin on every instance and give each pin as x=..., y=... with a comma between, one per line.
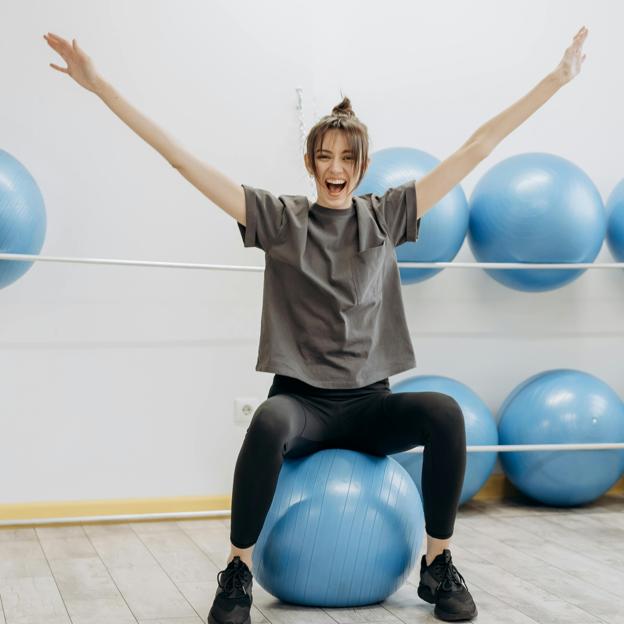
x=573, y=58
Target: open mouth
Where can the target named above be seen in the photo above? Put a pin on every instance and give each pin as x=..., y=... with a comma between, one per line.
x=335, y=188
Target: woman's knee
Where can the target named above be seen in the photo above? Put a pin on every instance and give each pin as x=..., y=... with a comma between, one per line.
x=276, y=419
x=446, y=415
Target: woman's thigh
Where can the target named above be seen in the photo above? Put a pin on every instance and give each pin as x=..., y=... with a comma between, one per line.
x=304, y=425
x=395, y=422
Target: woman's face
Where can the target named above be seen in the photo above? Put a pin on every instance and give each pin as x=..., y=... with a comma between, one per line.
x=336, y=176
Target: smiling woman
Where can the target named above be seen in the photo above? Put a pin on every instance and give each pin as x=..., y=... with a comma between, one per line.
x=337, y=155
x=334, y=327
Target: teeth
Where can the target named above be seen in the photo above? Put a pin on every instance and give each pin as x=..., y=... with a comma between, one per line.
x=337, y=181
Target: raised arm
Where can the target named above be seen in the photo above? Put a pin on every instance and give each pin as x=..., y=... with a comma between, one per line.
x=450, y=172
x=225, y=193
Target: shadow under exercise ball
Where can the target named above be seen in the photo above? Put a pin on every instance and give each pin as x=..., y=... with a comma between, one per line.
x=615, y=230
x=22, y=217
x=442, y=229
x=344, y=529
x=536, y=208
x=562, y=406
x=480, y=430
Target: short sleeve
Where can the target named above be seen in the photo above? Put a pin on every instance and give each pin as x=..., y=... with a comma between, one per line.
x=264, y=218
x=397, y=207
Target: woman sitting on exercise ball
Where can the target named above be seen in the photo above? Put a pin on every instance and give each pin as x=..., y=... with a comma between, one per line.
x=333, y=323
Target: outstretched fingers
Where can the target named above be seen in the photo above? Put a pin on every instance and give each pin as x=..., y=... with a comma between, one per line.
x=58, y=44
x=61, y=69
x=51, y=38
x=582, y=31
x=576, y=49
x=579, y=38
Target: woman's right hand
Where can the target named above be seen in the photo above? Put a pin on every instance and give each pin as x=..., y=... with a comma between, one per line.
x=79, y=65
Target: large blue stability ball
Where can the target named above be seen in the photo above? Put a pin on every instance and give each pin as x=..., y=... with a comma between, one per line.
x=615, y=228
x=562, y=406
x=536, y=208
x=442, y=230
x=480, y=431
x=22, y=217
x=344, y=529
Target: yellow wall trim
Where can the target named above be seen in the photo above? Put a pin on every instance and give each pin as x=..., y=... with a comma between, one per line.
x=111, y=507
x=498, y=487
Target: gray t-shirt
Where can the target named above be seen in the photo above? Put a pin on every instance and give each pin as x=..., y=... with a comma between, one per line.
x=332, y=310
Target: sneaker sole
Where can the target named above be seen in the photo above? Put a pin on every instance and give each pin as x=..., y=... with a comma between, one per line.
x=453, y=617
x=425, y=593
x=211, y=620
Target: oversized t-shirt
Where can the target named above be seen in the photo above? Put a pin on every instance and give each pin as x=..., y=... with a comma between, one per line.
x=332, y=310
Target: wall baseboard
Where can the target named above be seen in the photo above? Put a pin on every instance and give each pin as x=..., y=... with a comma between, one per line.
x=497, y=488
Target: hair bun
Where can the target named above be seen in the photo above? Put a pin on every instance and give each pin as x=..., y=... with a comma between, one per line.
x=343, y=109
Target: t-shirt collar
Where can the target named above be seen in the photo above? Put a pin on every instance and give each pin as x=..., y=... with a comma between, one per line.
x=370, y=233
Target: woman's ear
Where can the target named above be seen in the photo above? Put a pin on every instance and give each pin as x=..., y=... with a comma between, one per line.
x=306, y=162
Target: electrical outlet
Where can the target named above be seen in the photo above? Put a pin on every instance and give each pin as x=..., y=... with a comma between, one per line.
x=244, y=408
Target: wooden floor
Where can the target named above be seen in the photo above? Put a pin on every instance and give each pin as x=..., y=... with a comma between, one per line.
x=522, y=563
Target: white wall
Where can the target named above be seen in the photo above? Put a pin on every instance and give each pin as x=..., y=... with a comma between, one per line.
x=119, y=382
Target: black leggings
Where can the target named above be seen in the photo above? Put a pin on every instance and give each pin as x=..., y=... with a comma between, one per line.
x=298, y=419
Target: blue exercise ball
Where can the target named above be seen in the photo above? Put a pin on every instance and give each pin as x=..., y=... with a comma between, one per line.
x=22, y=217
x=480, y=431
x=344, y=529
x=536, y=208
x=562, y=406
x=615, y=227
x=442, y=230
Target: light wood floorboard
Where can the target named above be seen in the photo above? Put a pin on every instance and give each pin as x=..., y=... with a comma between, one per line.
x=523, y=563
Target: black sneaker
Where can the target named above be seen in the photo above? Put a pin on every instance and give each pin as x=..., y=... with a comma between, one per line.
x=442, y=584
x=233, y=599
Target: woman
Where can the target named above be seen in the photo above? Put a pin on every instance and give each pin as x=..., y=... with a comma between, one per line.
x=333, y=325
